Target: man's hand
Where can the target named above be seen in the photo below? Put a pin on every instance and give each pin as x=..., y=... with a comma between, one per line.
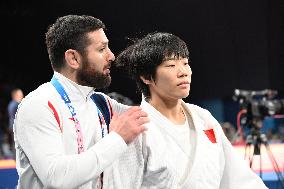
x=129, y=124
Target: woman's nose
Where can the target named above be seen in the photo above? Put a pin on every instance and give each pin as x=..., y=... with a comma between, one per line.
x=183, y=70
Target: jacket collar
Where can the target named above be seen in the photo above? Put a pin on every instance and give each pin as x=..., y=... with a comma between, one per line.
x=73, y=89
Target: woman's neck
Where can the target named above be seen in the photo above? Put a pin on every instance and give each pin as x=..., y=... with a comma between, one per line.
x=170, y=109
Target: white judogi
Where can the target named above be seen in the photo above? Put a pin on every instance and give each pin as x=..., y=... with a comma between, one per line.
x=156, y=160
x=47, y=157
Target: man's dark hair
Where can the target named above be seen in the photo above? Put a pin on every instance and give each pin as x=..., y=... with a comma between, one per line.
x=69, y=32
x=146, y=54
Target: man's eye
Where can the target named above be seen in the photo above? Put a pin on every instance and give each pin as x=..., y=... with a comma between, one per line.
x=102, y=49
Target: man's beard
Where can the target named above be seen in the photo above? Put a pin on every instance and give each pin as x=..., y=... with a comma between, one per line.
x=88, y=76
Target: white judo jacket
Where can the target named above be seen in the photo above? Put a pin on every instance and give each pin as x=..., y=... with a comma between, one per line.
x=152, y=161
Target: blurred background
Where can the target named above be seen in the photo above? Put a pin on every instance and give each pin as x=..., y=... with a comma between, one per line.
x=233, y=45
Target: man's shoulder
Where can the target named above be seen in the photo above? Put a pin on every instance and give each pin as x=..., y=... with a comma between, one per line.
x=42, y=93
x=101, y=93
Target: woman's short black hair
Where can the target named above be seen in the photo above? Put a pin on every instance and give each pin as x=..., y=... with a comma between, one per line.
x=144, y=56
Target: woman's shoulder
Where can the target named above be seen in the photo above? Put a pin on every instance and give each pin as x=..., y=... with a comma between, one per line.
x=197, y=109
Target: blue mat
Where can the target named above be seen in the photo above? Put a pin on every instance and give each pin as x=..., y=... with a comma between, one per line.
x=9, y=179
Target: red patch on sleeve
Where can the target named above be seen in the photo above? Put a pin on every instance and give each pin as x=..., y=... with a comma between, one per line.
x=55, y=115
x=211, y=135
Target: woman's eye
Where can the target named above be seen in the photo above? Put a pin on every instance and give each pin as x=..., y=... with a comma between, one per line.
x=171, y=65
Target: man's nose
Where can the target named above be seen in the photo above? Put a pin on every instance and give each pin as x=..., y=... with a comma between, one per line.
x=111, y=56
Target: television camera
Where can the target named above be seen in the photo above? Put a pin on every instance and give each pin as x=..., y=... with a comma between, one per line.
x=258, y=104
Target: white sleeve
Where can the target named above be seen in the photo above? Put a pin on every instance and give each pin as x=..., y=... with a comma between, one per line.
x=37, y=133
x=237, y=174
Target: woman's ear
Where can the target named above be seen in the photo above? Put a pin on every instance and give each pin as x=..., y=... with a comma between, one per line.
x=146, y=81
x=72, y=58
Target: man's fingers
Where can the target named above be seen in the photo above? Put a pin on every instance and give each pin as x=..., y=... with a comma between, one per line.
x=143, y=120
x=143, y=128
x=138, y=114
x=130, y=123
x=131, y=110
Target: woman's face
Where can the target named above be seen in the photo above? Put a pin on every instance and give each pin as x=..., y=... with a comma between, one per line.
x=172, y=80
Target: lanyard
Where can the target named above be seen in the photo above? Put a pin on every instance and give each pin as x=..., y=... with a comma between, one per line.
x=102, y=123
x=67, y=101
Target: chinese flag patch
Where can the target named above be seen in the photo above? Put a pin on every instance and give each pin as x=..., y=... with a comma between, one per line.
x=211, y=135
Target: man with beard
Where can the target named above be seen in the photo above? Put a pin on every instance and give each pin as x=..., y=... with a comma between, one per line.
x=61, y=137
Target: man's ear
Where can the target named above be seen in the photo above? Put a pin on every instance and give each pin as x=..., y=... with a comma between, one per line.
x=72, y=58
x=146, y=81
